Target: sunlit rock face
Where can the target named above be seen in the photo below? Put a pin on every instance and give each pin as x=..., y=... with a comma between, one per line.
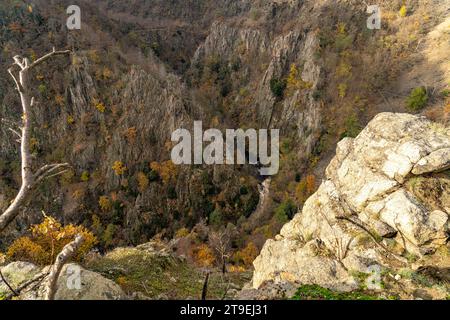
x=372, y=209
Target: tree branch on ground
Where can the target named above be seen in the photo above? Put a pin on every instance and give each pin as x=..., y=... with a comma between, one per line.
x=39, y=277
x=67, y=252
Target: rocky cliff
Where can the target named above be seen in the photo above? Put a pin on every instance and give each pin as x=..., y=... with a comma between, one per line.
x=385, y=202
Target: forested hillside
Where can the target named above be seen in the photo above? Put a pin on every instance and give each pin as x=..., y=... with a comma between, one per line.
x=138, y=70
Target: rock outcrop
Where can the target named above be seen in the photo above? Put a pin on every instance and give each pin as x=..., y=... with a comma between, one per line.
x=369, y=211
x=89, y=286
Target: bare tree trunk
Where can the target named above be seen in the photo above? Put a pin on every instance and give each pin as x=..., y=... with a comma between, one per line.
x=224, y=265
x=205, y=287
x=29, y=179
x=67, y=252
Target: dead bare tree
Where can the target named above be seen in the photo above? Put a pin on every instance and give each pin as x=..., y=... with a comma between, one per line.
x=220, y=241
x=67, y=252
x=30, y=179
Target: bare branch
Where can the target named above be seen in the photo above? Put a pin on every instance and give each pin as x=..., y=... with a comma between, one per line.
x=46, y=57
x=67, y=252
x=18, y=85
x=47, y=170
x=56, y=174
x=18, y=60
x=374, y=239
x=15, y=132
x=37, y=278
x=7, y=284
x=11, y=123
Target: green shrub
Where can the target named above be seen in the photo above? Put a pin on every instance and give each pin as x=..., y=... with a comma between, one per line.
x=215, y=218
x=418, y=99
x=153, y=175
x=285, y=211
x=171, y=192
x=277, y=86
x=84, y=176
x=352, y=127
x=315, y=292
x=42, y=89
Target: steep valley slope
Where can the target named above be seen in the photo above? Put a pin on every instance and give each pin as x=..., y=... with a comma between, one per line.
x=309, y=68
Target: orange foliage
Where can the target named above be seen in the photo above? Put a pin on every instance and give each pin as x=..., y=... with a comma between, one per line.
x=310, y=183
x=16, y=27
x=143, y=181
x=305, y=188
x=130, y=134
x=59, y=99
x=104, y=203
x=204, y=256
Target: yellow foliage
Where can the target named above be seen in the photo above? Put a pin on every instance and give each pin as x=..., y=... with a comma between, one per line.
x=342, y=90
x=78, y=194
x=84, y=176
x=341, y=28
x=344, y=69
x=107, y=73
x=403, y=11
x=70, y=120
x=235, y=269
x=119, y=168
x=96, y=224
x=247, y=255
x=166, y=170
x=121, y=281
x=99, y=106
x=204, y=256
x=34, y=145
x=143, y=181
x=25, y=249
x=300, y=191
x=294, y=80
x=67, y=177
x=104, y=203
x=181, y=233
x=47, y=240
x=94, y=56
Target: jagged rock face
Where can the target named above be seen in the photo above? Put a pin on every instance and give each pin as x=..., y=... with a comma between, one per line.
x=299, y=113
x=366, y=212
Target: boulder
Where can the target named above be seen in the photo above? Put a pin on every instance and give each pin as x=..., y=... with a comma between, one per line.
x=74, y=283
x=364, y=214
